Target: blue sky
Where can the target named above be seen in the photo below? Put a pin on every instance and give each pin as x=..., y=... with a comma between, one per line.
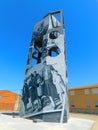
x=17, y=19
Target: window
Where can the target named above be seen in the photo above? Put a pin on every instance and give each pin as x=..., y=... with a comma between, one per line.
x=88, y=103
x=96, y=103
x=72, y=103
x=86, y=91
x=0, y=97
x=95, y=91
x=72, y=93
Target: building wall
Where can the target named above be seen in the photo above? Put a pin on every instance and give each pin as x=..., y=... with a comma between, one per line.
x=8, y=100
x=84, y=98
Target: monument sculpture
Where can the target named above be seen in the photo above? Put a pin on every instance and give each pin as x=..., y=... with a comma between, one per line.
x=44, y=93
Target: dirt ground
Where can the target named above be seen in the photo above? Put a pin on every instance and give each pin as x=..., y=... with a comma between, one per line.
x=87, y=116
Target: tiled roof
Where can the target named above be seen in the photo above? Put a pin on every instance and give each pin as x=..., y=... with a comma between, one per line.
x=84, y=87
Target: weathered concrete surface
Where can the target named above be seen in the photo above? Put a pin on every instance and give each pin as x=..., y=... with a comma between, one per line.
x=10, y=123
x=87, y=116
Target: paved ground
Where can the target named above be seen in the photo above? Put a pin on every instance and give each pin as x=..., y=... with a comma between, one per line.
x=87, y=116
x=74, y=123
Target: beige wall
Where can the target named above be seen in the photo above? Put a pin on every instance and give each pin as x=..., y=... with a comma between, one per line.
x=78, y=98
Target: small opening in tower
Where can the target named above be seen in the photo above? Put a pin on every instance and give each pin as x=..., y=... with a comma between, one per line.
x=54, y=51
x=54, y=35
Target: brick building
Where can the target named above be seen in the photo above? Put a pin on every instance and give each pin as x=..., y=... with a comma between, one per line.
x=9, y=101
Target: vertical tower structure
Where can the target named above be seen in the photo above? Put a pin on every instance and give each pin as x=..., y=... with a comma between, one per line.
x=44, y=93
